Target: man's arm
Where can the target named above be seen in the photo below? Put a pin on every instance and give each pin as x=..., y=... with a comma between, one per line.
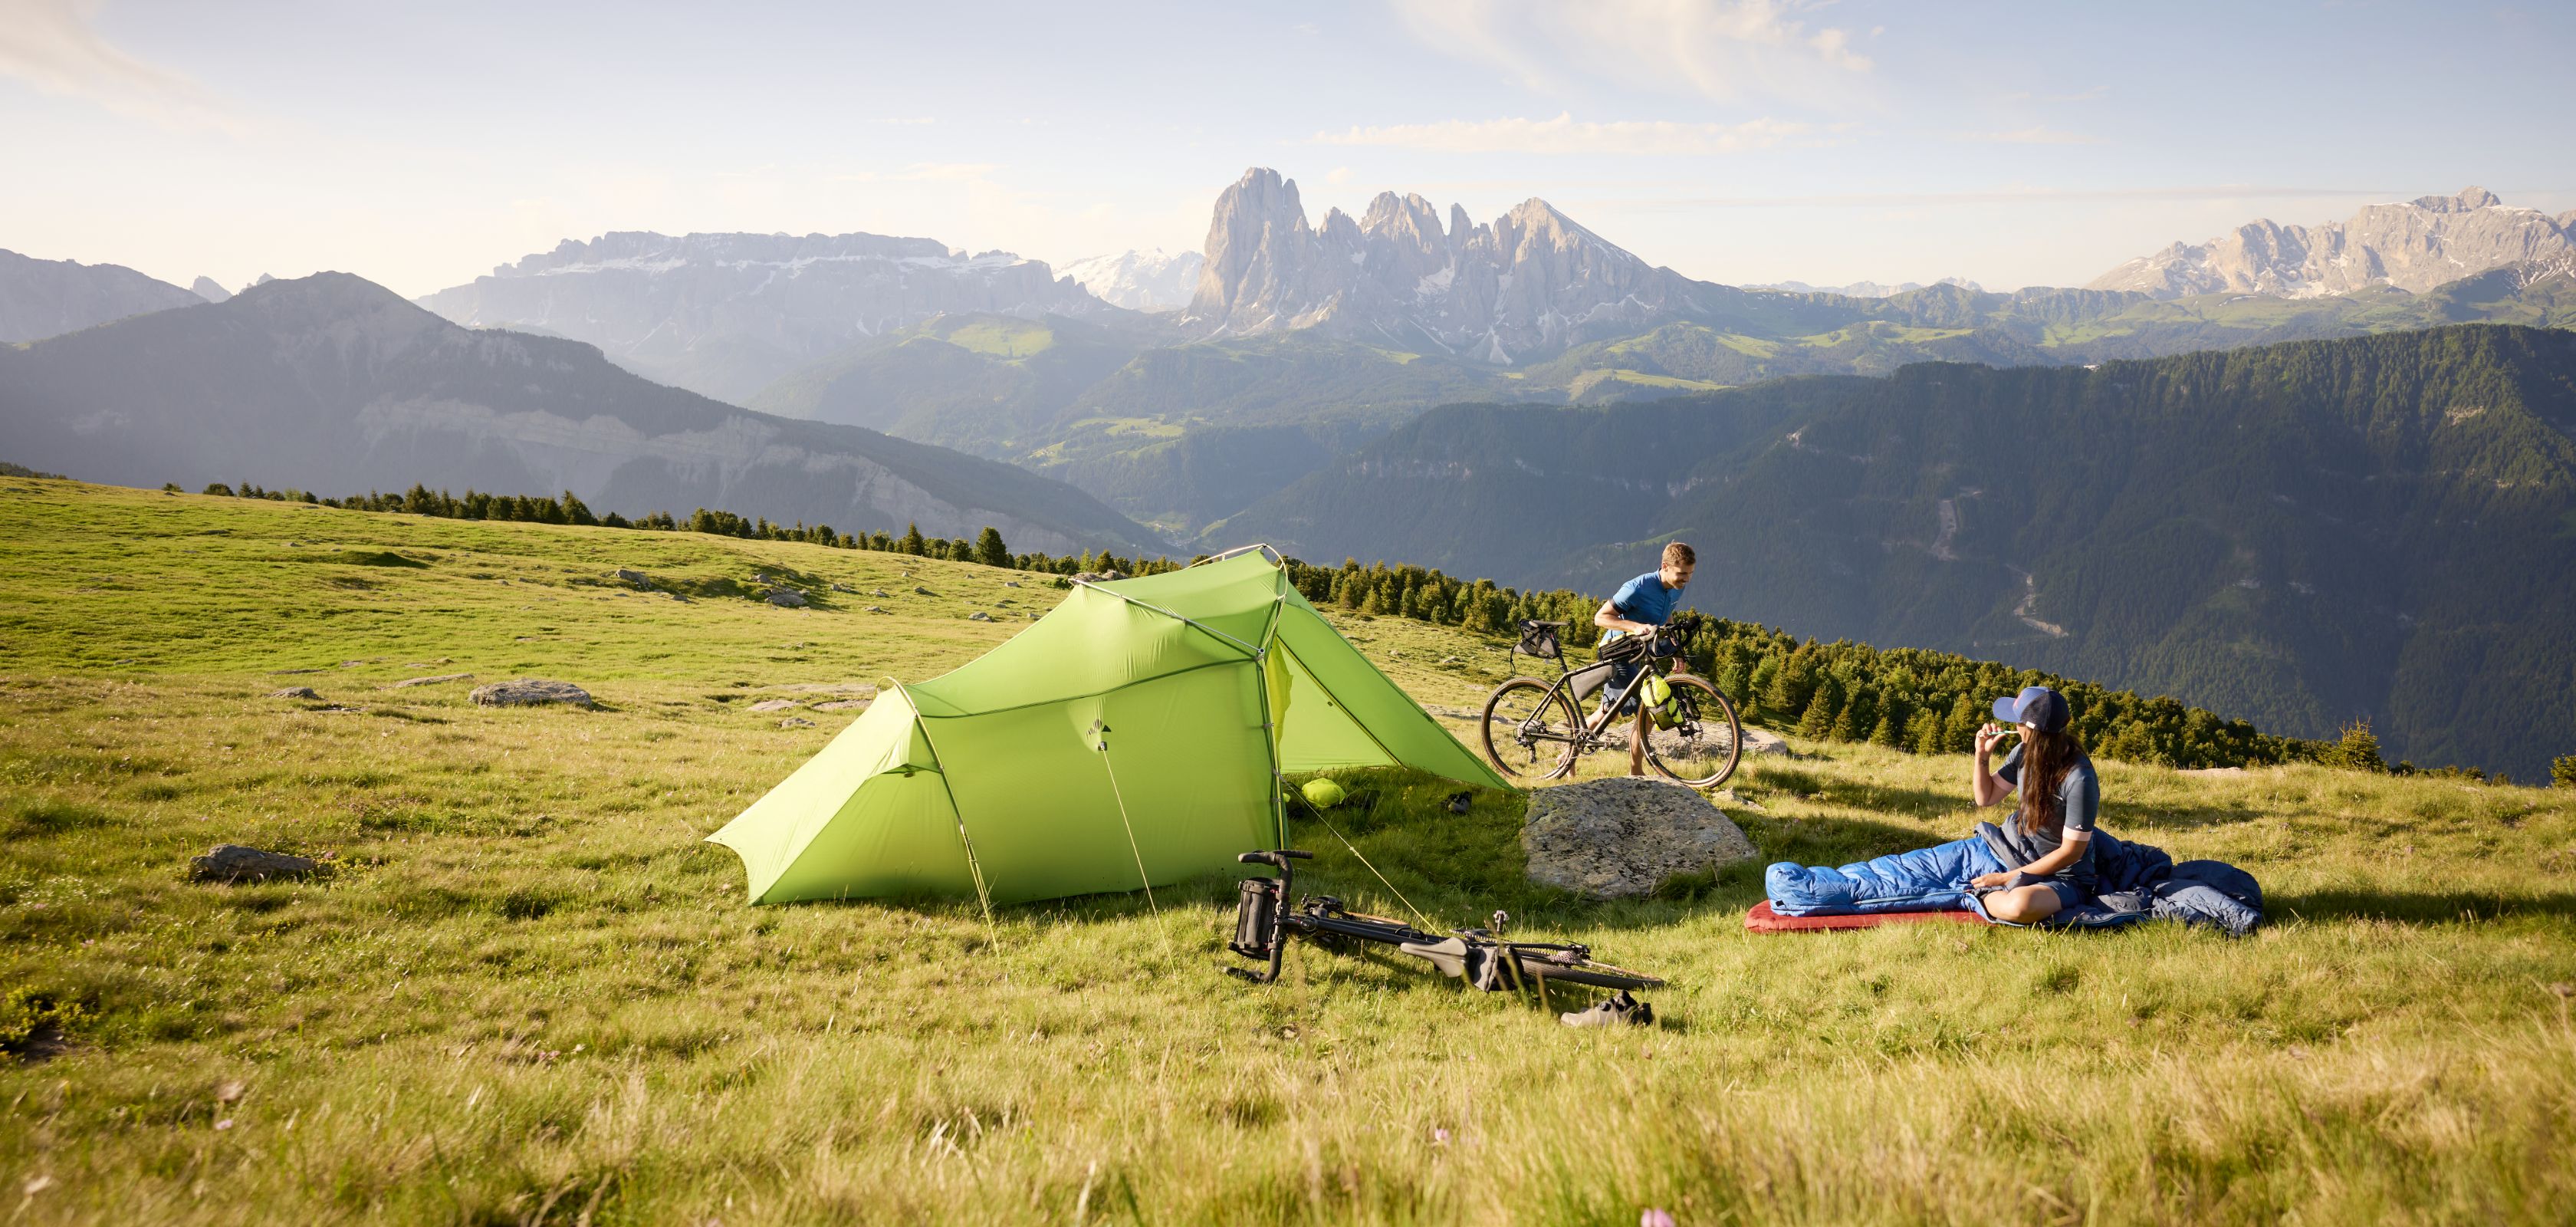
x=1608, y=619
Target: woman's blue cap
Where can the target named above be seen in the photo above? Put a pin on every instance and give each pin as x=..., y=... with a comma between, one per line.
x=2035, y=705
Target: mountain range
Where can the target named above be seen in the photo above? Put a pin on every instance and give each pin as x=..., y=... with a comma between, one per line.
x=727, y=314
x=332, y=383
x=43, y=298
x=1140, y=280
x=2378, y=527
x=2415, y=246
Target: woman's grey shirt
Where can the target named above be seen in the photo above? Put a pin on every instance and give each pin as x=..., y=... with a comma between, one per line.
x=2079, y=802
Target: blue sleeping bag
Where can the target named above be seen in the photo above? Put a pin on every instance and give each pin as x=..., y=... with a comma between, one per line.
x=1928, y=880
x=2134, y=881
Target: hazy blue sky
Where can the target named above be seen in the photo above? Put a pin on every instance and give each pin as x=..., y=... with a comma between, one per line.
x=421, y=144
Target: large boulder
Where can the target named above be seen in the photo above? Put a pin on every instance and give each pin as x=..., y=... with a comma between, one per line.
x=528, y=691
x=236, y=863
x=1620, y=838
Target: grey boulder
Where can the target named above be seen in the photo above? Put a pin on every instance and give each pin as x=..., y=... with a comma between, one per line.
x=236, y=863
x=528, y=691
x=1620, y=838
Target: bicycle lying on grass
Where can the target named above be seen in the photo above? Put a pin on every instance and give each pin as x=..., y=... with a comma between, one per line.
x=1534, y=728
x=1264, y=921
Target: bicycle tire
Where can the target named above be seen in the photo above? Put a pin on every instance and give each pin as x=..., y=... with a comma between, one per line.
x=1706, y=714
x=1542, y=698
x=1596, y=975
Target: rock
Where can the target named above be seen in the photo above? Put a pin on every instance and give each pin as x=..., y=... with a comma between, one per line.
x=1097, y=577
x=979, y=616
x=796, y=722
x=527, y=691
x=876, y=609
x=440, y=680
x=1764, y=741
x=773, y=705
x=838, y=586
x=235, y=863
x=294, y=692
x=843, y=705
x=284, y=672
x=786, y=597
x=1010, y=583
x=880, y=594
x=1448, y=660
x=1620, y=838
x=637, y=578
x=918, y=590
x=762, y=577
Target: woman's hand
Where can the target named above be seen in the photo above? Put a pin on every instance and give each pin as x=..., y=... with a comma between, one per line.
x=1988, y=737
x=1990, y=879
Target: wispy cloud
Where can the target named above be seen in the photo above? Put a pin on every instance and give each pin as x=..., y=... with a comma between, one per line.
x=923, y=172
x=2089, y=95
x=2036, y=135
x=54, y=46
x=1995, y=196
x=1565, y=134
x=1717, y=49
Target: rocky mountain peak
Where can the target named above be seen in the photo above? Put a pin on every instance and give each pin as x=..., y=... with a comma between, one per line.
x=2414, y=246
x=1532, y=281
x=2470, y=197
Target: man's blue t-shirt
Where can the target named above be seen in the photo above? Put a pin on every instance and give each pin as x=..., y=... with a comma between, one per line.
x=1645, y=599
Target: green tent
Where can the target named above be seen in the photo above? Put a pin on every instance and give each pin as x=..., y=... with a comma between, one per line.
x=1134, y=736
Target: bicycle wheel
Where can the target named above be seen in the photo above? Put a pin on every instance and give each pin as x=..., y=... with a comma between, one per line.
x=1530, y=729
x=1597, y=975
x=1701, y=748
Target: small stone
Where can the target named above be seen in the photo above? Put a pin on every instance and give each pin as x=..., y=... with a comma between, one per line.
x=796, y=722
x=526, y=691
x=1448, y=660
x=838, y=586
x=918, y=590
x=1621, y=837
x=236, y=863
x=876, y=609
x=284, y=672
x=294, y=692
x=881, y=593
x=1010, y=583
x=773, y=705
x=979, y=616
x=762, y=577
x=637, y=578
x=439, y=680
x=786, y=597
x=843, y=705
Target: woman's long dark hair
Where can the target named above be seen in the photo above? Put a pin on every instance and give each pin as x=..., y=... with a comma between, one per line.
x=2045, y=760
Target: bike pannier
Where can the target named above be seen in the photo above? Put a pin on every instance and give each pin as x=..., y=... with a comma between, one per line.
x=1539, y=639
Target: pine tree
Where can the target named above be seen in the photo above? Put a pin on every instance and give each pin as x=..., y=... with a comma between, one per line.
x=989, y=549
x=912, y=542
x=2356, y=750
x=1818, y=719
x=2562, y=771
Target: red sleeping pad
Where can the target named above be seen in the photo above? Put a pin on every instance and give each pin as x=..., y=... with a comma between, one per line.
x=1763, y=920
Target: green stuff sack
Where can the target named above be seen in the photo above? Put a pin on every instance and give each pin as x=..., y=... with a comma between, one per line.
x=1324, y=794
x=1659, y=699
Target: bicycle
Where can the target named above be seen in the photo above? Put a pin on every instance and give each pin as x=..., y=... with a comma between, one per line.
x=1535, y=729
x=1264, y=921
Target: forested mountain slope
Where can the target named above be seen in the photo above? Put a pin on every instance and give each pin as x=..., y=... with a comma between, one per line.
x=2302, y=534
x=335, y=383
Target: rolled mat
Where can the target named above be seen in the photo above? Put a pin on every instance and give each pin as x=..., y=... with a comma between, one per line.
x=1763, y=920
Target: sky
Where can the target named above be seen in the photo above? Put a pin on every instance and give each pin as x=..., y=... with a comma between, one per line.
x=1738, y=141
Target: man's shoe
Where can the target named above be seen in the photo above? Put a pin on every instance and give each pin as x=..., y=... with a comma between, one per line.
x=1618, y=1008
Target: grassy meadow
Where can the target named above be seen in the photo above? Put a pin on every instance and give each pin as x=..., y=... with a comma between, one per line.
x=525, y=992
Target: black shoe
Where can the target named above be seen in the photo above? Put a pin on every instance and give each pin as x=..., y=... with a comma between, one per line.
x=1618, y=1008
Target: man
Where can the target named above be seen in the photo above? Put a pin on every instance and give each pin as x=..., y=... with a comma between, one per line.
x=1640, y=607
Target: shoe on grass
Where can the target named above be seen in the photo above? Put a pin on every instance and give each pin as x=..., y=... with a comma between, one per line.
x=1616, y=1009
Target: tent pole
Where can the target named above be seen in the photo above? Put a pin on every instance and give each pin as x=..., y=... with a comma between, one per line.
x=974, y=867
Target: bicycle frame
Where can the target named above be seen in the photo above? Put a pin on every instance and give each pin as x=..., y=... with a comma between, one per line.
x=1263, y=924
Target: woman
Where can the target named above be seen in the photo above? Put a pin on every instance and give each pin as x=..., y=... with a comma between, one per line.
x=2053, y=826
